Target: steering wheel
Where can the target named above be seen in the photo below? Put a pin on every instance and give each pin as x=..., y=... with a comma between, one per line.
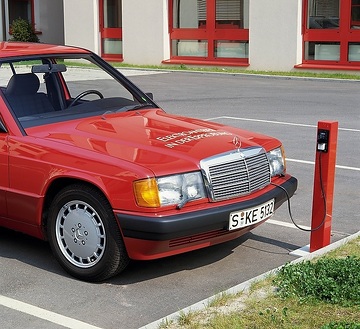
x=85, y=93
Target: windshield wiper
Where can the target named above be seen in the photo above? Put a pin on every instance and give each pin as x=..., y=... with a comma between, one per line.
x=129, y=108
x=136, y=107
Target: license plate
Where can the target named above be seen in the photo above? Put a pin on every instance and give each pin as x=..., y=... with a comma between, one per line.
x=251, y=216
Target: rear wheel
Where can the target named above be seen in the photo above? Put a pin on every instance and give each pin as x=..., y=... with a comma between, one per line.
x=84, y=235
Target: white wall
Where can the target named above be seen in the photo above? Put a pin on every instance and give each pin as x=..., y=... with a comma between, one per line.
x=275, y=34
x=145, y=31
x=49, y=20
x=81, y=21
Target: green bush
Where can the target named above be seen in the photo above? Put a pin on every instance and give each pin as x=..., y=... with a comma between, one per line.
x=22, y=30
x=335, y=281
x=342, y=325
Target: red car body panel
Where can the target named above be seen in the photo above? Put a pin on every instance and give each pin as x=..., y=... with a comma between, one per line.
x=15, y=49
x=83, y=149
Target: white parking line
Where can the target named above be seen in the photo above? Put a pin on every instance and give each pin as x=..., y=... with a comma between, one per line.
x=44, y=314
x=313, y=163
x=291, y=124
x=277, y=122
x=284, y=224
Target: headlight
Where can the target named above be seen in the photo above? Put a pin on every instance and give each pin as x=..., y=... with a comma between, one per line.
x=169, y=190
x=277, y=161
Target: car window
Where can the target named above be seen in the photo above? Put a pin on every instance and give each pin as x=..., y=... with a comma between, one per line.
x=81, y=76
x=53, y=89
x=21, y=67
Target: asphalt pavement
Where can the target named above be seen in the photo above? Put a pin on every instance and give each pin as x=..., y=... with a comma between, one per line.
x=36, y=293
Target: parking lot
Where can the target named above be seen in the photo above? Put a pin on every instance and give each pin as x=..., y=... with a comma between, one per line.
x=36, y=293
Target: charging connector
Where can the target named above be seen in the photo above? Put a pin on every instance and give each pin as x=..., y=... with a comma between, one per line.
x=322, y=140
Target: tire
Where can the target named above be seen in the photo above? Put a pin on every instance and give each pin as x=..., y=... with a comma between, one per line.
x=84, y=235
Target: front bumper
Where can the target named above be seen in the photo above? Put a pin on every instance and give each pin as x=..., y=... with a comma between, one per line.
x=149, y=237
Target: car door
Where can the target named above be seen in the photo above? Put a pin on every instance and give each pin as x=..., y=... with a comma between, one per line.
x=4, y=170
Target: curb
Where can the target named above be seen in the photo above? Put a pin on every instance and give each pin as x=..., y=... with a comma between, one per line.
x=246, y=285
x=243, y=73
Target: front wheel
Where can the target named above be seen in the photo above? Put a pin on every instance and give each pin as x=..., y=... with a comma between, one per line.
x=84, y=235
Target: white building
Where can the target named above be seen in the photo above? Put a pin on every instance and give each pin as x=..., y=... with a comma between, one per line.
x=46, y=17
x=276, y=35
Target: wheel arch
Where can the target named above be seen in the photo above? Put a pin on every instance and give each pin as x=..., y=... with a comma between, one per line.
x=83, y=231
x=54, y=187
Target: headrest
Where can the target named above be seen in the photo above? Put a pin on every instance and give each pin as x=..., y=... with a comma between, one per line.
x=23, y=84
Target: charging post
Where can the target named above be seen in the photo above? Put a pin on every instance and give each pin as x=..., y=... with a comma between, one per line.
x=324, y=179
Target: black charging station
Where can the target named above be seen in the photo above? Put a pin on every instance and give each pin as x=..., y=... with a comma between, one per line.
x=323, y=140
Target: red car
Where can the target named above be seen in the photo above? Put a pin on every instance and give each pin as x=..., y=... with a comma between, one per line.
x=92, y=164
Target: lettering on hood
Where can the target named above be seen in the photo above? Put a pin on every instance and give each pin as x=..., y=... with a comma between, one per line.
x=190, y=135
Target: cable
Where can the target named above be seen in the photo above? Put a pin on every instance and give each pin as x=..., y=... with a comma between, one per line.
x=323, y=195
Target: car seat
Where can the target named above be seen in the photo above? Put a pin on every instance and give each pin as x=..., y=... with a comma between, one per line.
x=23, y=96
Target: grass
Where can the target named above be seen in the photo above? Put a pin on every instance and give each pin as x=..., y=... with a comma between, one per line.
x=221, y=69
x=232, y=70
x=329, y=279
x=221, y=299
x=323, y=293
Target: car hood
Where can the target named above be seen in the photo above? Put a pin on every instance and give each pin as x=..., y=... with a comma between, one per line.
x=159, y=141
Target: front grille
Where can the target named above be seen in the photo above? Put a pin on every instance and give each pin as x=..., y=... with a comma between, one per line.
x=236, y=173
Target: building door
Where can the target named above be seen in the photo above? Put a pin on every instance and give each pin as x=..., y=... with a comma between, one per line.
x=111, y=29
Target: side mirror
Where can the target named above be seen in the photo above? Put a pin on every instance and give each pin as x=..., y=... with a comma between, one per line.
x=150, y=95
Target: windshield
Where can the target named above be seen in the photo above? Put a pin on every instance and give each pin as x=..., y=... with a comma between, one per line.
x=52, y=89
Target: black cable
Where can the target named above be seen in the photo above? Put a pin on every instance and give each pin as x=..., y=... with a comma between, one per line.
x=323, y=195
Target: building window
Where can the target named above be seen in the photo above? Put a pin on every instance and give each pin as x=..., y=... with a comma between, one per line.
x=231, y=49
x=323, y=14
x=332, y=33
x=21, y=9
x=112, y=14
x=191, y=48
x=329, y=51
x=354, y=52
x=355, y=14
x=209, y=31
x=189, y=14
x=229, y=14
x=111, y=29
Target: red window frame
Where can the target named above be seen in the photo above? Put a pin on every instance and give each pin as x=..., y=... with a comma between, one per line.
x=106, y=32
x=344, y=35
x=210, y=34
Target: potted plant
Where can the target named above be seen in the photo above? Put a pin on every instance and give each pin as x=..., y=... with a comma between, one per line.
x=22, y=30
